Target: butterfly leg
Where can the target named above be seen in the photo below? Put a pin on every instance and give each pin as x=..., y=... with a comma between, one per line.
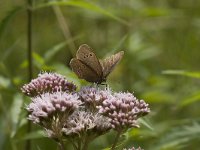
x=106, y=85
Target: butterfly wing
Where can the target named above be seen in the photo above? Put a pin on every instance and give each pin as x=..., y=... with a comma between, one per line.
x=86, y=56
x=83, y=71
x=110, y=62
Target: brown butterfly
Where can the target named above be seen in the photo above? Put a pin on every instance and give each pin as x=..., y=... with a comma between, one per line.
x=87, y=66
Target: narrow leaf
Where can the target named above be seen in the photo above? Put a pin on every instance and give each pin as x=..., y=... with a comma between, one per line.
x=38, y=60
x=191, y=99
x=182, y=73
x=85, y=5
x=145, y=123
x=51, y=52
x=33, y=135
x=15, y=112
x=7, y=18
x=4, y=82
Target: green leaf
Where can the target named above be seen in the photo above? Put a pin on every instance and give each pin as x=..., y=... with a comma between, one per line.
x=64, y=70
x=15, y=112
x=157, y=96
x=148, y=53
x=61, y=68
x=182, y=73
x=51, y=52
x=118, y=45
x=121, y=42
x=4, y=70
x=145, y=123
x=155, y=12
x=191, y=99
x=7, y=18
x=179, y=136
x=33, y=135
x=85, y=5
x=4, y=82
x=39, y=61
x=9, y=50
x=106, y=149
x=55, y=49
x=24, y=64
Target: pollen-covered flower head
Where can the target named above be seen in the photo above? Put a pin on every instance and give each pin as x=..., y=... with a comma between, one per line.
x=81, y=123
x=48, y=82
x=123, y=110
x=93, y=97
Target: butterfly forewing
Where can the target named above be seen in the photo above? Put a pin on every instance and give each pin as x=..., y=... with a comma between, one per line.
x=86, y=56
x=83, y=71
x=110, y=62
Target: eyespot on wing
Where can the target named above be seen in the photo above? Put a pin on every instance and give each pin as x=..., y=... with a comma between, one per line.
x=86, y=55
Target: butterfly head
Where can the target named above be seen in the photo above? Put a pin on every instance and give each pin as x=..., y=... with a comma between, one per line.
x=102, y=80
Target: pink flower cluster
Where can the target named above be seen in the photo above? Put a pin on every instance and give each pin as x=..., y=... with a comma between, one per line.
x=82, y=121
x=45, y=106
x=63, y=112
x=123, y=110
x=48, y=82
x=93, y=97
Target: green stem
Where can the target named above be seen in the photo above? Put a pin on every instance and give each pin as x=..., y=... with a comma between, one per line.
x=61, y=145
x=116, y=140
x=30, y=64
x=86, y=142
x=29, y=39
x=79, y=145
x=73, y=144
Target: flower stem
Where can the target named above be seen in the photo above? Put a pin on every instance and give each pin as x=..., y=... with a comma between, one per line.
x=86, y=141
x=30, y=64
x=29, y=39
x=73, y=144
x=116, y=140
x=61, y=145
x=79, y=145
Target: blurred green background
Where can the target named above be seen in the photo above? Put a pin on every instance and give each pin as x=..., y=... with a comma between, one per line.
x=161, y=40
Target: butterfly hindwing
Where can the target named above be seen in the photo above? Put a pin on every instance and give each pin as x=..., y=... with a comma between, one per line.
x=86, y=56
x=110, y=62
x=83, y=71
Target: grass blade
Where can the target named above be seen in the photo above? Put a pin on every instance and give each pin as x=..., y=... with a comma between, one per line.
x=85, y=5
x=182, y=73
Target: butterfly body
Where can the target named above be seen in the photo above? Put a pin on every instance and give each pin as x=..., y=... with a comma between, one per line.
x=87, y=66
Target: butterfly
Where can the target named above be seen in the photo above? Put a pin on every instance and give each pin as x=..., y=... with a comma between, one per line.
x=87, y=66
